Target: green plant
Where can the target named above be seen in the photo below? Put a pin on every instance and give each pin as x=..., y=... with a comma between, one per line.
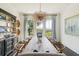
x=48, y=33
x=30, y=28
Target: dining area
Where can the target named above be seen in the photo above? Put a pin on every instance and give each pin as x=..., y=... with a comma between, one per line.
x=40, y=46
x=40, y=29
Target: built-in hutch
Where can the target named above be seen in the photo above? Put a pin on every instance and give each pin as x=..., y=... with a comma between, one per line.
x=7, y=33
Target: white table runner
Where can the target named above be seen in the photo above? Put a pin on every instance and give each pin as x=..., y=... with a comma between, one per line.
x=41, y=48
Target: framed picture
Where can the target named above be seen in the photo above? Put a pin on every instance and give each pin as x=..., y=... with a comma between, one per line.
x=72, y=25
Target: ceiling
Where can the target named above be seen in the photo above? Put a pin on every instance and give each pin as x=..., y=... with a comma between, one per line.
x=34, y=7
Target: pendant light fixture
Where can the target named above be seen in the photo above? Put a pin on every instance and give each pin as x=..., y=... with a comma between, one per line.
x=40, y=15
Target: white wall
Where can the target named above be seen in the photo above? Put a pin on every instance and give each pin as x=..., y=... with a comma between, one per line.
x=58, y=37
x=70, y=41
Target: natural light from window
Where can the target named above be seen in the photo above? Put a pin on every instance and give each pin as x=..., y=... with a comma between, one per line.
x=49, y=24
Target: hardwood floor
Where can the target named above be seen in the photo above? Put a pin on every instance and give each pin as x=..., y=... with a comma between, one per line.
x=69, y=52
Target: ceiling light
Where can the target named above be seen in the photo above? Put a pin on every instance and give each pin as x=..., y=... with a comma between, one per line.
x=39, y=15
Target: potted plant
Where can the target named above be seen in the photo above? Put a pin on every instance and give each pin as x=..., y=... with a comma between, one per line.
x=30, y=28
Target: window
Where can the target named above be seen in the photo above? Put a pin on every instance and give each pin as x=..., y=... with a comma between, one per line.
x=49, y=24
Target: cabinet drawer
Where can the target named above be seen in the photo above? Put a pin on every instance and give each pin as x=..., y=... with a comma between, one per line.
x=0, y=45
x=7, y=40
x=8, y=49
x=0, y=52
x=9, y=43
